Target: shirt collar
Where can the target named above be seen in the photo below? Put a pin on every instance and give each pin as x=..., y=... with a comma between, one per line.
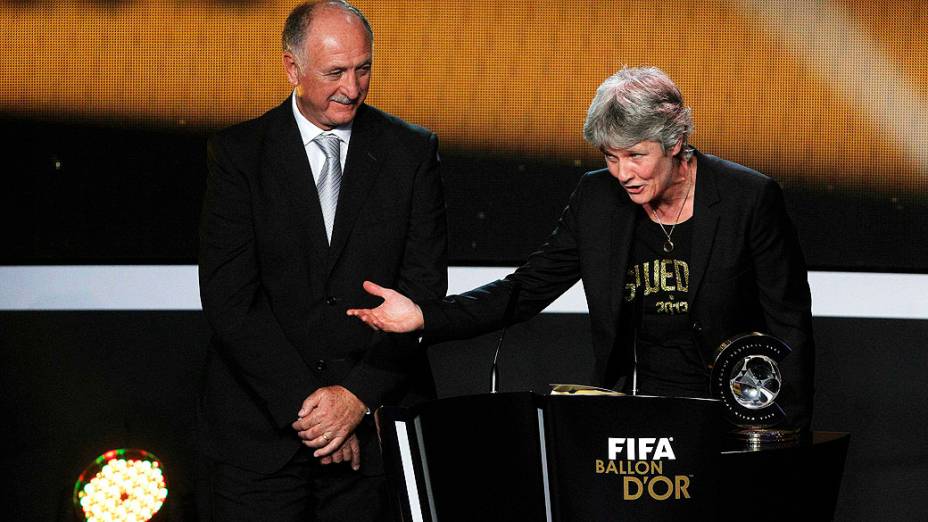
x=308, y=131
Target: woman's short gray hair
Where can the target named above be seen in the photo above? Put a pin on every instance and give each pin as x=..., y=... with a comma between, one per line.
x=637, y=104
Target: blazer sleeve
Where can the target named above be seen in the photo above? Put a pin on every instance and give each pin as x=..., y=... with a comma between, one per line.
x=423, y=274
x=547, y=273
x=236, y=305
x=785, y=299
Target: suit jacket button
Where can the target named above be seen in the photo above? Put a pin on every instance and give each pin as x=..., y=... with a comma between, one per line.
x=320, y=366
x=697, y=327
x=330, y=301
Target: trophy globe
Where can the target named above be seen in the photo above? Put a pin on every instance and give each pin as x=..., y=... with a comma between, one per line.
x=746, y=378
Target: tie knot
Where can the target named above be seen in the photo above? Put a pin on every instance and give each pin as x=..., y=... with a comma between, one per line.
x=330, y=145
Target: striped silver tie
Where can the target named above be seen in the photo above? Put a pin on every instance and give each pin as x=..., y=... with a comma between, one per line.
x=330, y=179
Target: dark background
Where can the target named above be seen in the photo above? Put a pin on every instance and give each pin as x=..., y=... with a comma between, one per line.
x=90, y=193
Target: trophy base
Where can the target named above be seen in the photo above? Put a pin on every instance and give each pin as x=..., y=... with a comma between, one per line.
x=756, y=439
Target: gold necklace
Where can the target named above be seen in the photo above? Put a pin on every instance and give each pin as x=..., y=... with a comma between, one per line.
x=668, y=245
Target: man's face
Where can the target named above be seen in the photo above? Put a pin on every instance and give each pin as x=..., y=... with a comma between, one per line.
x=332, y=79
x=645, y=170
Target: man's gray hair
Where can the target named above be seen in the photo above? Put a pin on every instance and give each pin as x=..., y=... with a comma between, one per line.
x=638, y=104
x=298, y=21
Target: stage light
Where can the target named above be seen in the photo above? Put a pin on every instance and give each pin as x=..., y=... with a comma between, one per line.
x=121, y=485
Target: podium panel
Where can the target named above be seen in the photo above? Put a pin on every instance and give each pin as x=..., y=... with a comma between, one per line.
x=483, y=457
x=797, y=483
x=520, y=456
x=633, y=458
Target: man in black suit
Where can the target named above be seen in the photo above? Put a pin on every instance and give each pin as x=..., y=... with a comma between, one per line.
x=303, y=204
x=678, y=251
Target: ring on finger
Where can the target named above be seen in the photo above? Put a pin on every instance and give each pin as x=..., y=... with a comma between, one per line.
x=327, y=437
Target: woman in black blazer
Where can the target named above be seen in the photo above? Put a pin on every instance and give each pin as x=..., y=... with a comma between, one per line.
x=678, y=251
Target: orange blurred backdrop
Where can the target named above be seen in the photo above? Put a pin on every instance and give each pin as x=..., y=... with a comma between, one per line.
x=830, y=93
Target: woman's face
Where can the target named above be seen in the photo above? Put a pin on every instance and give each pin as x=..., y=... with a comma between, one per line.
x=644, y=170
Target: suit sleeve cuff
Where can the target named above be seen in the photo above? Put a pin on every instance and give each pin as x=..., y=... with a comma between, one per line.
x=284, y=407
x=370, y=385
x=434, y=318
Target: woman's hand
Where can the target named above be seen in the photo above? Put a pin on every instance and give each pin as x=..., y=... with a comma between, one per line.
x=397, y=313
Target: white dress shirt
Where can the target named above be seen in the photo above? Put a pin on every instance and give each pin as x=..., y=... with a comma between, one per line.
x=308, y=133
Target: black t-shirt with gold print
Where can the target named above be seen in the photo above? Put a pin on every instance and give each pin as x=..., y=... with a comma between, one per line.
x=655, y=305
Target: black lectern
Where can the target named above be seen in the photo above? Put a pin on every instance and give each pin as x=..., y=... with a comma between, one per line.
x=520, y=456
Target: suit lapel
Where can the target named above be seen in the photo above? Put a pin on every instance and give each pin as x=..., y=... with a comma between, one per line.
x=623, y=229
x=362, y=166
x=287, y=157
x=706, y=213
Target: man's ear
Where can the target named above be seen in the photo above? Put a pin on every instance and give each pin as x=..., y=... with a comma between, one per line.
x=292, y=68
